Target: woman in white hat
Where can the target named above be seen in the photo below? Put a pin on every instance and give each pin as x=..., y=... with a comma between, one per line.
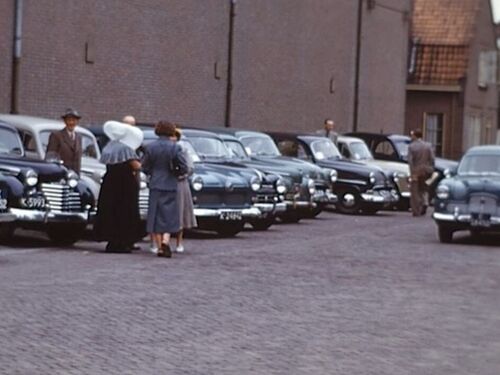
x=118, y=220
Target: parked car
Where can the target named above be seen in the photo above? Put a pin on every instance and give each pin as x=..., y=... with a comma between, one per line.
x=42, y=195
x=223, y=196
x=35, y=133
x=356, y=150
x=470, y=199
x=312, y=192
x=394, y=147
x=6, y=217
x=360, y=188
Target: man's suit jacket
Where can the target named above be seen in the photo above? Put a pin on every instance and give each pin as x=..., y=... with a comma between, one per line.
x=420, y=159
x=157, y=162
x=66, y=149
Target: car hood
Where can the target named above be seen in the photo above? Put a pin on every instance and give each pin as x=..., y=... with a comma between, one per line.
x=475, y=184
x=47, y=172
x=220, y=175
x=442, y=164
x=388, y=166
x=271, y=167
x=347, y=169
x=305, y=168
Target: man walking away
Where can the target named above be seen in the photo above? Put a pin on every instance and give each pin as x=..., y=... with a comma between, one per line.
x=421, y=162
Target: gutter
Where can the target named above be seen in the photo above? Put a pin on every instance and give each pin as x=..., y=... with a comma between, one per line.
x=16, y=57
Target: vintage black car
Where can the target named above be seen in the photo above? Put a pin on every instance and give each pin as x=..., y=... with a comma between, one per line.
x=224, y=197
x=470, y=199
x=360, y=188
x=312, y=186
x=42, y=195
x=394, y=147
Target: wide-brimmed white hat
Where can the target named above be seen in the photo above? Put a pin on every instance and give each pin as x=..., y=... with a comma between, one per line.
x=125, y=133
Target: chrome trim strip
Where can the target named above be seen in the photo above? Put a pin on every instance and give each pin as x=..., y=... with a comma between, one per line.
x=252, y=212
x=48, y=216
x=355, y=182
x=464, y=218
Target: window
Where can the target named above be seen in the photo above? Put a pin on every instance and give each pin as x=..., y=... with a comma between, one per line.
x=433, y=131
x=289, y=148
x=472, y=131
x=385, y=150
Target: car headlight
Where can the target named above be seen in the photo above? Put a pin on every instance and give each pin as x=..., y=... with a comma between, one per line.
x=443, y=192
x=333, y=175
x=197, y=183
x=31, y=178
x=311, y=186
x=143, y=181
x=372, y=178
x=280, y=186
x=255, y=183
x=72, y=179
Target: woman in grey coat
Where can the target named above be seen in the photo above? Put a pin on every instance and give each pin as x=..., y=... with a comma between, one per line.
x=184, y=197
x=163, y=211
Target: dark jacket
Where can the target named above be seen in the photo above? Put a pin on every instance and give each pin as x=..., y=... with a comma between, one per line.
x=157, y=162
x=68, y=150
x=420, y=159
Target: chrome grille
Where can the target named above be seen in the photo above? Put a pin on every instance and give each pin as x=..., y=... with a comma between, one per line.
x=403, y=185
x=218, y=198
x=266, y=194
x=143, y=202
x=480, y=203
x=61, y=198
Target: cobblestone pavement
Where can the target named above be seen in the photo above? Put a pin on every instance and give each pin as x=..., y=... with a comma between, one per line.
x=336, y=295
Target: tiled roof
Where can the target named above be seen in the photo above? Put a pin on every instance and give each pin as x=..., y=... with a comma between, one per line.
x=442, y=31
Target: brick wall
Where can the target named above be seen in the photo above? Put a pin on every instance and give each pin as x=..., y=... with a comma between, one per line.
x=293, y=62
x=6, y=42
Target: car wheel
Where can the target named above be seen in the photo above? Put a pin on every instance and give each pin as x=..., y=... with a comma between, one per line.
x=6, y=231
x=290, y=217
x=263, y=224
x=349, y=202
x=445, y=234
x=229, y=229
x=65, y=234
x=476, y=234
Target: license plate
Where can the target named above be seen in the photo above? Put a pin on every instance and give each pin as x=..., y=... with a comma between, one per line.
x=480, y=222
x=231, y=216
x=34, y=202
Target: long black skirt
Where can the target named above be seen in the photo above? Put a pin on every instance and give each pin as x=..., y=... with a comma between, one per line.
x=118, y=219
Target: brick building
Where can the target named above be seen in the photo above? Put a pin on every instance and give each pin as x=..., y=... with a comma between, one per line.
x=451, y=92
x=262, y=64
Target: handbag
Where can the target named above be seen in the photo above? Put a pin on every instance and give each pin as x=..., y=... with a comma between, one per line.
x=175, y=168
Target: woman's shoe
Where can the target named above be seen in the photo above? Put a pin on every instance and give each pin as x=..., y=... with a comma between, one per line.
x=179, y=249
x=165, y=251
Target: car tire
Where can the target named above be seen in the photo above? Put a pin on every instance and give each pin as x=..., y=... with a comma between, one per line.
x=65, y=234
x=445, y=234
x=476, y=234
x=349, y=202
x=229, y=229
x=6, y=231
x=263, y=224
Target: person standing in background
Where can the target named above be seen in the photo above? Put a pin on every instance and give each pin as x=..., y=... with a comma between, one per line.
x=66, y=144
x=421, y=162
x=186, y=210
x=328, y=131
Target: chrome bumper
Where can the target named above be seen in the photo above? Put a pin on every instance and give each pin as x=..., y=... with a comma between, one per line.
x=378, y=197
x=246, y=213
x=7, y=217
x=406, y=194
x=324, y=196
x=299, y=204
x=38, y=216
x=461, y=218
x=266, y=208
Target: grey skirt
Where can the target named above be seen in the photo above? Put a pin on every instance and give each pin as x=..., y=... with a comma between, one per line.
x=186, y=209
x=163, y=212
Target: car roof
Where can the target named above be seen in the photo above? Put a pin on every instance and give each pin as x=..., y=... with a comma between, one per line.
x=30, y=122
x=484, y=149
x=349, y=139
x=394, y=137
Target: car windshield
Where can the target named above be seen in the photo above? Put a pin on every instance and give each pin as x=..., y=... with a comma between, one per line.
x=360, y=151
x=480, y=165
x=188, y=148
x=260, y=145
x=402, y=147
x=324, y=149
x=10, y=143
x=89, y=145
x=209, y=147
x=237, y=149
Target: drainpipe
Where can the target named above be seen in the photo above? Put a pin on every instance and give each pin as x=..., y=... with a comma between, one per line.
x=357, y=68
x=16, y=57
x=229, y=88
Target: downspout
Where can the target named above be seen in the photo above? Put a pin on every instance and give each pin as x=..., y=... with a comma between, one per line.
x=229, y=87
x=16, y=57
x=357, y=67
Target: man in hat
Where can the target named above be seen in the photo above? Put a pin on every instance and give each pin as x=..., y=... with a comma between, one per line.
x=66, y=144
